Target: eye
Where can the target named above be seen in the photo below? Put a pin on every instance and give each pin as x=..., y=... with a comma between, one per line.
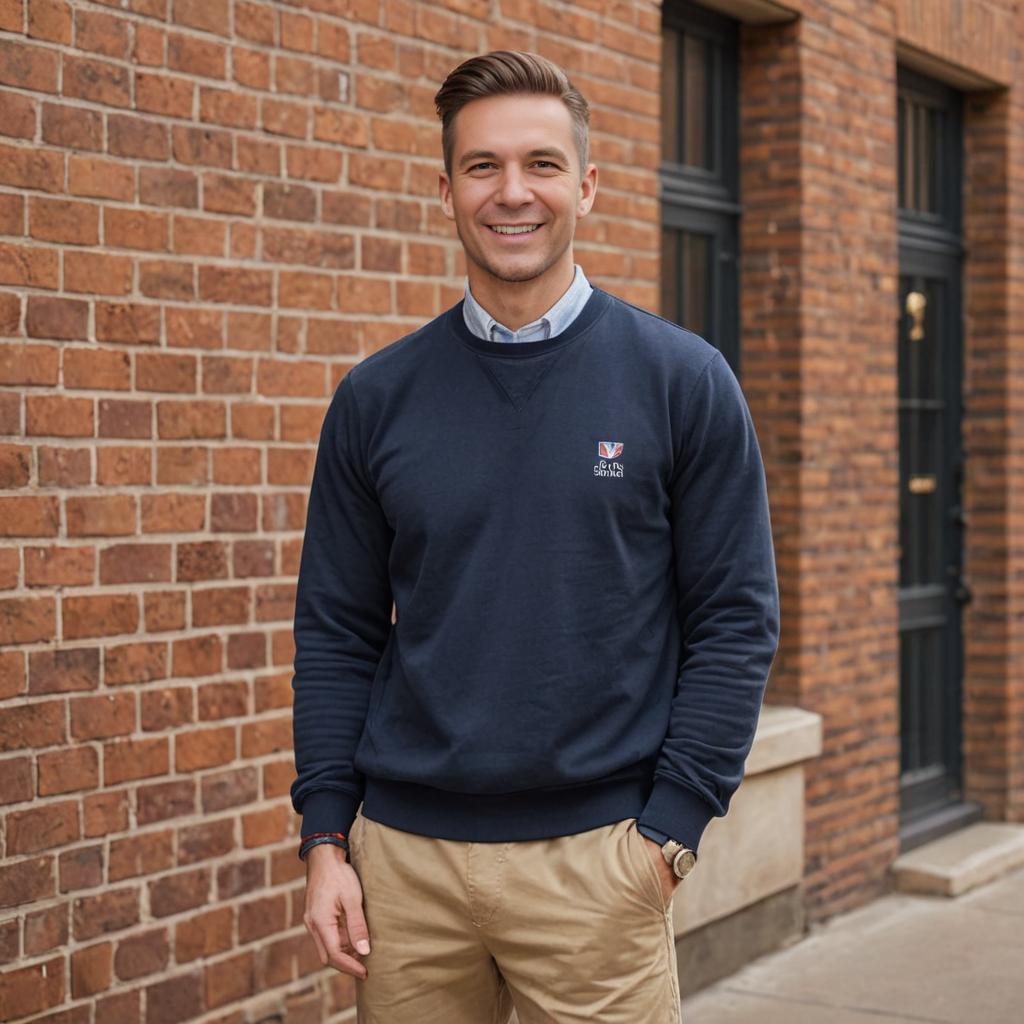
x=481, y=166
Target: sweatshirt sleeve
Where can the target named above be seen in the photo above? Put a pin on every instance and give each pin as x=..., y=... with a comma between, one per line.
x=728, y=606
x=342, y=621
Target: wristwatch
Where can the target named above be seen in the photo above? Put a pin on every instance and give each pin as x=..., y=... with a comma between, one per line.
x=681, y=859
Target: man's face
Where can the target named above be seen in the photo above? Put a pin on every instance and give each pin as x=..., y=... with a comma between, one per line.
x=516, y=188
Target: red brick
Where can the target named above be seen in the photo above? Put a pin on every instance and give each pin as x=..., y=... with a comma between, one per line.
x=53, y=415
x=201, y=57
x=72, y=127
x=46, y=929
x=223, y=194
x=106, y=369
x=135, y=229
x=97, y=80
x=27, y=619
x=29, y=516
x=101, y=179
x=206, y=748
x=23, y=167
x=128, y=322
x=189, y=419
x=26, y=882
x=184, y=890
x=262, y=828
x=159, y=371
x=287, y=467
x=284, y=117
x=30, y=990
x=135, y=563
x=203, y=935
x=81, y=868
x=118, y=465
x=166, y=708
x=267, y=736
x=164, y=610
x=66, y=771
x=64, y=319
x=237, y=466
x=31, y=267
x=237, y=285
x=252, y=420
x=202, y=560
x=59, y=566
x=42, y=828
x=29, y=364
x=102, y=716
x=199, y=236
x=140, y=662
x=165, y=800
x=174, y=512
x=110, y=911
x=63, y=467
x=289, y=202
x=125, y=760
x=32, y=725
x=253, y=558
x=143, y=954
x=205, y=841
x=18, y=116
x=105, y=813
x=168, y=186
x=182, y=464
x=125, y=418
x=101, y=33
x=97, y=273
x=16, y=779
x=15, y=465
x=164, y=94
x=99, y=615
x=67, y=221
x=196, y=656
x=167, y=279
x=100, y=515
x=206, y=146
x=91, y=969
x=141, y=855
x=226, y=107
x=63, y=671
x=227, y=375
x=230, y=979
x=28, y=67
x=220, y=606
x=223, y=699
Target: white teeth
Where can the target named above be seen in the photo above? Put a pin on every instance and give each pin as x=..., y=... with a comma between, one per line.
x=509, y=229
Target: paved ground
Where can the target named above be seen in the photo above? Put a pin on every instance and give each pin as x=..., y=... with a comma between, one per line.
x=901, y=958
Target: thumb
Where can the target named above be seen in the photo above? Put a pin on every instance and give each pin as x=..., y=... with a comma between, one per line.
x=355, y=919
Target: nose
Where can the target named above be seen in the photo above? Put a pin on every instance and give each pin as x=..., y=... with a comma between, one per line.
x=513, y=188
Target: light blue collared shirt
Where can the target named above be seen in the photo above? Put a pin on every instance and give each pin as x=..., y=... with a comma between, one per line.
x=553, y=322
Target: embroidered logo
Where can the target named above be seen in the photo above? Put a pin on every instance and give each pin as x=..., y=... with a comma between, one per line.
x=607, y=452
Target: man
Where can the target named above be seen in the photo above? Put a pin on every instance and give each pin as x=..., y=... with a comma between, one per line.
x=563, y=496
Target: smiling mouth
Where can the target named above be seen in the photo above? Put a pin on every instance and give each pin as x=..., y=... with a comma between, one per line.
x=513, y=229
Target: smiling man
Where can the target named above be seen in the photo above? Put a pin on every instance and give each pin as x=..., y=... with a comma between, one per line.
x=562, y=499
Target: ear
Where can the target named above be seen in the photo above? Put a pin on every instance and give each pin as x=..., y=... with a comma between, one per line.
x=587, y=191
x=444, y=190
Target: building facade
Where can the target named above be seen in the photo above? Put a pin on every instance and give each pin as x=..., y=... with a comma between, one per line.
x=210, y=209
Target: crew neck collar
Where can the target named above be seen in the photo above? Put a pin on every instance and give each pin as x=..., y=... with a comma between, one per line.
x=595, y=306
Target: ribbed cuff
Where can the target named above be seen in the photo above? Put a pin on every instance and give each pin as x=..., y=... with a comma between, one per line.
x=328, y=810
x=677, y=811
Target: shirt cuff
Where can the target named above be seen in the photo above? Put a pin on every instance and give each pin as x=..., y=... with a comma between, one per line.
x=328, y=810
x=677, y=811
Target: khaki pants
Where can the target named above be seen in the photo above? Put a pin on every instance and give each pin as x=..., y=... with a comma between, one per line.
x=570, y=929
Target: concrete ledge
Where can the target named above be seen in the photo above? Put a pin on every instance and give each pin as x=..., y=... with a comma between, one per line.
x=961, y=861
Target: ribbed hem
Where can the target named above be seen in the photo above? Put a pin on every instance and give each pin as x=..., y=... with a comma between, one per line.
x=677, y=811
x=328, y=810
x=505, y=817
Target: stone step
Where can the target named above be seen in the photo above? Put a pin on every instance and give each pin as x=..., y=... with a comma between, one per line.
x=962, y=860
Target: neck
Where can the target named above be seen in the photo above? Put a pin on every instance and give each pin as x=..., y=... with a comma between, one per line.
x=515, y=303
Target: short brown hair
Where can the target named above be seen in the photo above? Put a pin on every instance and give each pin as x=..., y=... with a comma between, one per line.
x=505, y=72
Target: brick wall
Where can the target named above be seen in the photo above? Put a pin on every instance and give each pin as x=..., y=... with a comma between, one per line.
x=209, y=209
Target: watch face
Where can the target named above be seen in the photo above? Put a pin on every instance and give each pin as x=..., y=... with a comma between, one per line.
x=684, y=863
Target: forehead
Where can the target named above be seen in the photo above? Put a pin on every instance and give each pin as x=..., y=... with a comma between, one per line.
x=512, y=124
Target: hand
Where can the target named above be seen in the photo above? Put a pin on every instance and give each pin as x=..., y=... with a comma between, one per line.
x=669, y=881
x=334, y=910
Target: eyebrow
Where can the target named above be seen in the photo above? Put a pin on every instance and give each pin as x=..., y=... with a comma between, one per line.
x=486, y=154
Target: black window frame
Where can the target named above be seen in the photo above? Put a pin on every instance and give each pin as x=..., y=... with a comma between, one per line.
x=707, y=200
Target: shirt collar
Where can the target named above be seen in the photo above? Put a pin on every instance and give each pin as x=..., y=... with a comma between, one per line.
x=553, y=322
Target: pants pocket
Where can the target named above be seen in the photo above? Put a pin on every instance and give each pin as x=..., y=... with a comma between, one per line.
x=636, y=845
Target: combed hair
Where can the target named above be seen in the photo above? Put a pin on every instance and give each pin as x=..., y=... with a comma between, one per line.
x=502, y=73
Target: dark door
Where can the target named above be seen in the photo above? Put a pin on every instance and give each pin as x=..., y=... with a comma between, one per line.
x=930, y=338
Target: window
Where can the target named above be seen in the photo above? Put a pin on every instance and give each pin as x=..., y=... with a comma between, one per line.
x=700, y=175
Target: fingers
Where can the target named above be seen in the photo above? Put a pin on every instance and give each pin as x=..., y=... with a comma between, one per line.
x=355, y=920
x=327, y=937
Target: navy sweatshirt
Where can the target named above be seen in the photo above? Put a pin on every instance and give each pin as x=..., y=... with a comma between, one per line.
x=575, y=534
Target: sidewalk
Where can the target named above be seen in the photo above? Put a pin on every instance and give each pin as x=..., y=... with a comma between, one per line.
x=902, y=958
